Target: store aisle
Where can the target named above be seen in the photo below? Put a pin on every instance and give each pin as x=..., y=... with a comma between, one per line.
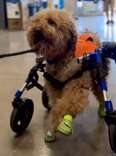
x=98, y=25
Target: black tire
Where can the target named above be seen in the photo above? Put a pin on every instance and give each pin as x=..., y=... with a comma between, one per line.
x=21, y=117
x=45, y=100
x=112, y=136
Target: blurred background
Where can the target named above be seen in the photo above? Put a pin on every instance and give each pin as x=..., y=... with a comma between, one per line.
x=15, y=13
x=90, y=14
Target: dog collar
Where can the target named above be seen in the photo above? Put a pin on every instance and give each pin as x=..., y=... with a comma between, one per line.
x=51, y=62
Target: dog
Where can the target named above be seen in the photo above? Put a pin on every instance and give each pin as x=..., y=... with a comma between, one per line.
x=54, y=34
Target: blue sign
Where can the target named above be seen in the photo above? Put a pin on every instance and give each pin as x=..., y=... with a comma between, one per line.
x=61, y=4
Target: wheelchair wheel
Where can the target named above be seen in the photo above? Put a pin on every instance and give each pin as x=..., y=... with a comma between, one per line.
x=112, y=136
x=21, y=117
x=45, y=100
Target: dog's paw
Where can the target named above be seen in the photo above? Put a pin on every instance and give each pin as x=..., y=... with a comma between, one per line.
x=49, y=137
x=65, y=126
x=101, y=112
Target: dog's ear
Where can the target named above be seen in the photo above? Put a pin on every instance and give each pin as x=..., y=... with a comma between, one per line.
x=71, y=44
x=30, y=32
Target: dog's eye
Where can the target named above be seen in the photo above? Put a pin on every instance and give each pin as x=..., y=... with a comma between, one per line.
x=51, y=22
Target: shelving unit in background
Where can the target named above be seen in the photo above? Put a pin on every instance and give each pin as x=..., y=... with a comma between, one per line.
x=3, y=19
x=14, y=14
x=89, y=8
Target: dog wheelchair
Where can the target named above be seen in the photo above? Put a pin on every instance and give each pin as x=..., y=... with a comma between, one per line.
x=23, y=108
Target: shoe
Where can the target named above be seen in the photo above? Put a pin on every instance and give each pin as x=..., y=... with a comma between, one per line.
x=76, y=17
x=49, y=137
x=112, y=22
x=108, y=22
x=65, y=127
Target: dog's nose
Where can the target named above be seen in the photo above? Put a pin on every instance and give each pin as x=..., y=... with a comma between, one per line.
x=39, y=36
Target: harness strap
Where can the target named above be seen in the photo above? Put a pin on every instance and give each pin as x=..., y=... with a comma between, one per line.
x=89, y=65
x=60, y=84
x=54, y=81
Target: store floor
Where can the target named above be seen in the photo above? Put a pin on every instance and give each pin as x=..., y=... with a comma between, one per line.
x=90, y=137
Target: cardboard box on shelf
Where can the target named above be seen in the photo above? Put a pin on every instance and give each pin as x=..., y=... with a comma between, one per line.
x=14, y=24
x=14, y=16
x=13, y=10
x=89, y=8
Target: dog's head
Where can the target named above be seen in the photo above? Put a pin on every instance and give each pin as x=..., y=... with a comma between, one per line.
x=53, y=33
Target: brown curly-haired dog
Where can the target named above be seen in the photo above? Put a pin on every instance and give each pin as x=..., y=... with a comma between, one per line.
x=54, y=34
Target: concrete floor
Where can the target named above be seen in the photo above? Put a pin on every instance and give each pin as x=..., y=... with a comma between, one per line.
x=90, y=136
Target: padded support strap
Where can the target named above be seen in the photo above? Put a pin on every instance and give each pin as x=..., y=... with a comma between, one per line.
x=103, y=85
x=60, y=84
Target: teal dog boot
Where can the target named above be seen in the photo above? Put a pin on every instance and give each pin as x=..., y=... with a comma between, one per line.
x=49, y=137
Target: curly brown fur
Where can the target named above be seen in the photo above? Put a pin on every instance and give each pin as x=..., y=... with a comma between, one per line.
x=47, y=30
x=54, y=34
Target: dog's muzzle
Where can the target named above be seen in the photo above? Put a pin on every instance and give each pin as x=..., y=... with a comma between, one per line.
x=39, y=37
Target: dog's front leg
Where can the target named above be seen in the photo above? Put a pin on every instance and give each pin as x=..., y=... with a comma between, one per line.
x=73, y=100
x=58, y=120
x=52, y=92
x=55, y=116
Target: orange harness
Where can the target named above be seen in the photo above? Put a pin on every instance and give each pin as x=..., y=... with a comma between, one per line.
x=85, y=45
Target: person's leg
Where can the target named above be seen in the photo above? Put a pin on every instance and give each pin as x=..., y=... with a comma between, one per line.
x=106, y=9
x=112, y=11
x=44, y=4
